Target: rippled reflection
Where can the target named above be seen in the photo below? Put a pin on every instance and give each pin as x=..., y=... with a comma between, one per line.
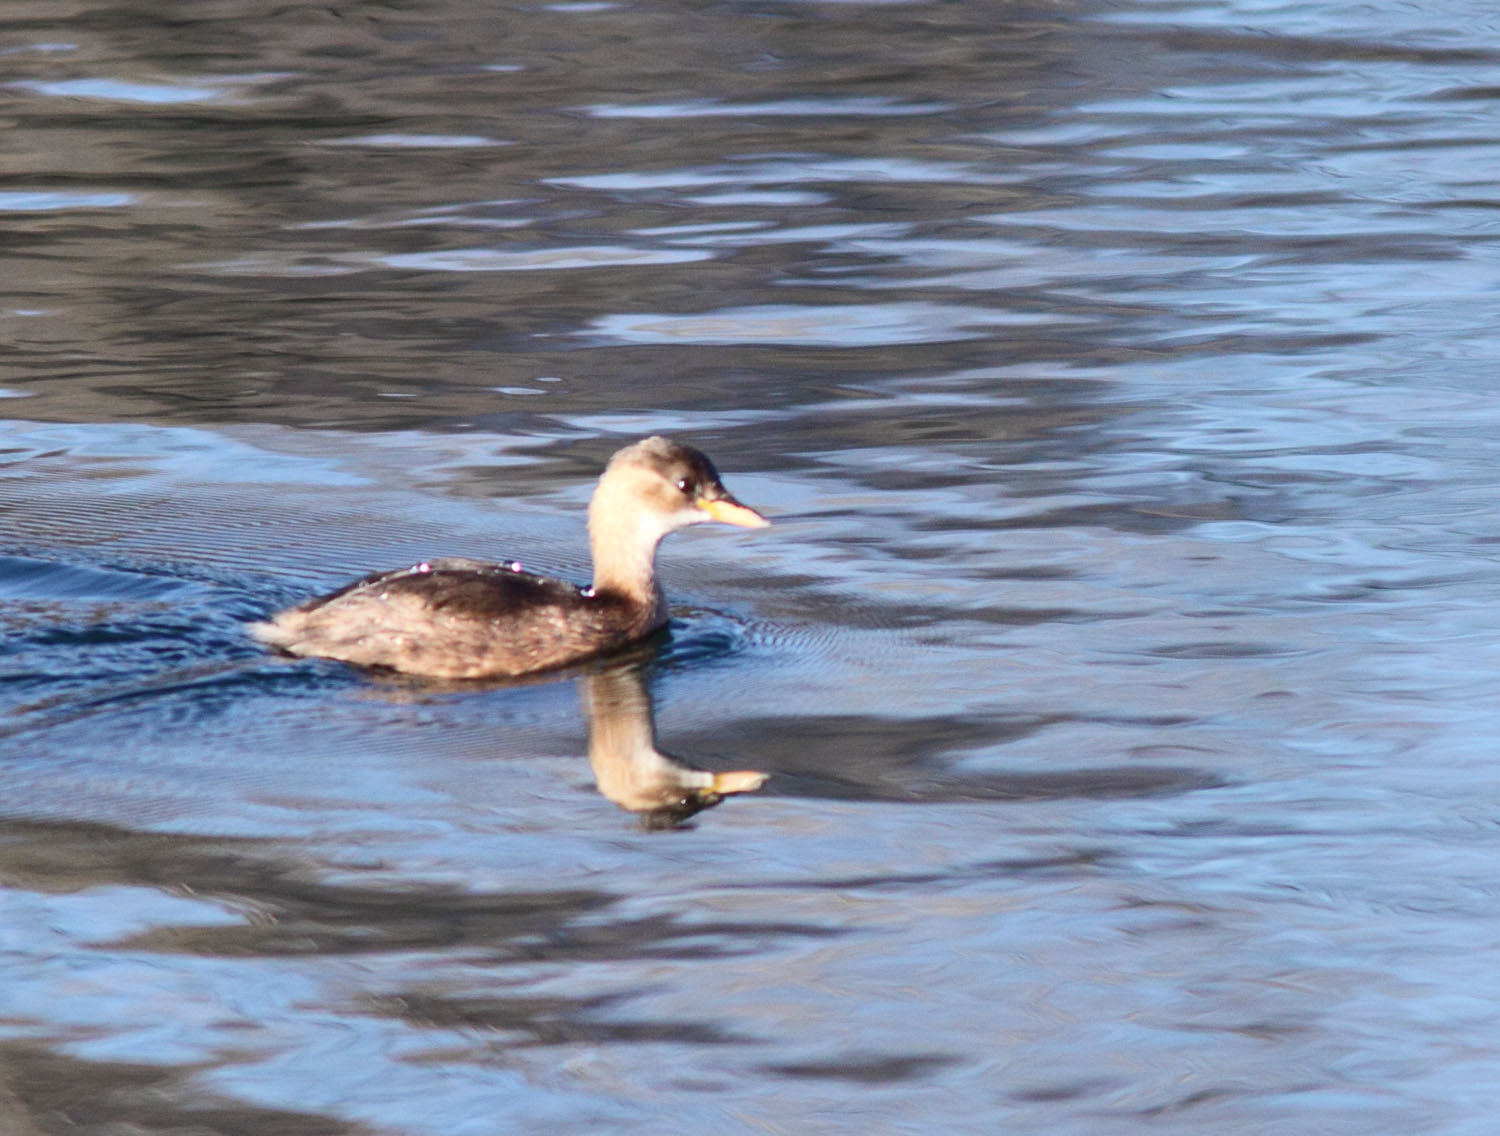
x=631, y=771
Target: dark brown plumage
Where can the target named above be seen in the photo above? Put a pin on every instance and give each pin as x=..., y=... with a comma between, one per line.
x=460, y=618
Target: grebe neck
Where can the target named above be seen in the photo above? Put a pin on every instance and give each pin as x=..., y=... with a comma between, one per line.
x=623, y=543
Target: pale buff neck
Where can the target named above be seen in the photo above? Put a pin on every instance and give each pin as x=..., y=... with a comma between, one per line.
x=623, y=539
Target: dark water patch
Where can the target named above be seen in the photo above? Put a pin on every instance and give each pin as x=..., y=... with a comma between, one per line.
x=506, y=928
x=1069, y=865
x=1392, y=589
x=671, y=937
x=1233, y=829
x=870, y=759
x=46, y=1093
x=289, y=912
x=292, y=916
x=1031, y=572
x=1197, y=1099
x=1077, y=1090
x=1285, y=47
x=68, y=856
x=1464, y=94
x=1218, y=649
x=872, y=1071
x=529, y=1022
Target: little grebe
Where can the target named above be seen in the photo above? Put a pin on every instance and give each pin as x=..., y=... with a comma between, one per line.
x=461, y=618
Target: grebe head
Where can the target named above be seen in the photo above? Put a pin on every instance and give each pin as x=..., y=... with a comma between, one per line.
x=648, y=490
x=666, y=486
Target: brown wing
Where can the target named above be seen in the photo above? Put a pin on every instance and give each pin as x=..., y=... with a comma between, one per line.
x=463, y=589
x=458, y=618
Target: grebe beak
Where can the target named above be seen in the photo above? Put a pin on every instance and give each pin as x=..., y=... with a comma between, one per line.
x=730, y=512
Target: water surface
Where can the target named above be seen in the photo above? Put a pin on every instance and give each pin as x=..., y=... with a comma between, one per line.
x=1121, y=379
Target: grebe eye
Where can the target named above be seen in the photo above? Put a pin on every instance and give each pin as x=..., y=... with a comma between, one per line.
x=686, y=486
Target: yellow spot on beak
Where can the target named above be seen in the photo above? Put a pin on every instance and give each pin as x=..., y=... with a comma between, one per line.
x=733, y=513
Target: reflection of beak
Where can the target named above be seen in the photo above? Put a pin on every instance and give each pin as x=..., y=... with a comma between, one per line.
x=731, y=512
x=738, y=781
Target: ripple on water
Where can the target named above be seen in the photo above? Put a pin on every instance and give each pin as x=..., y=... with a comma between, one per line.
x=702, y=636
x=916, y=759
x=540, y=260
x=418, y=141
x=24, y=578
x=81, y=638
x=852, y=106
x=51, y=200
x=164, y=92
x=122, y=91
x=833, y=325
x=775, y=171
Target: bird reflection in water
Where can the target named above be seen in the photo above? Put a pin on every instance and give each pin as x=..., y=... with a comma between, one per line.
x=663, y=790
x=628, y=768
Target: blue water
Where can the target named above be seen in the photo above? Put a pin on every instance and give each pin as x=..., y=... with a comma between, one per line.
x=1123, y=659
